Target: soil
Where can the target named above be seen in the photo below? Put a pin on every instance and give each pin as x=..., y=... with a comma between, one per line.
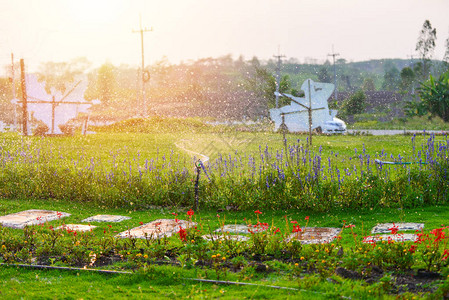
x=413, y=281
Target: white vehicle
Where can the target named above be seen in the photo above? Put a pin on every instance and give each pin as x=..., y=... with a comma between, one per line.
x=334, y=126
x=295, y=117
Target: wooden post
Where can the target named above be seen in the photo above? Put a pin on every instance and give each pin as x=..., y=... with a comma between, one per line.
x=53, y=108
x=24, y=98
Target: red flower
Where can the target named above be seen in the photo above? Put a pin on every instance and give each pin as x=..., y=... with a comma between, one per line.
x=141, y=223
x=258, y=212
x=277, y=230
x=350, y=226
x=182, y=234
x=190, y=213
x=175, y=214
x=307, y=218
x=412, y=249
x=369, y=240
x=394, y=229
x=439, y=234
x=294, y=222
x=296, y=228
x=445, y=254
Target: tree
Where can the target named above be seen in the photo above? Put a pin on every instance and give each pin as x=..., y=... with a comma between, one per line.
x=434, y=94
x=446, y=52
x=425, y=46
x=262, y=83
x=392, y=79
x=407, y=79
x=323, y=75
x=368, y=84
x=59, y=75
x=355, y=104
x=106, y=83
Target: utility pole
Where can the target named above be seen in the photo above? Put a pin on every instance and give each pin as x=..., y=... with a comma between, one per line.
x=13, y=87
x=278, y=75
x=309, y=111
x=24, y=98
x=411, y=67
x=335, y=73
x=144, y=80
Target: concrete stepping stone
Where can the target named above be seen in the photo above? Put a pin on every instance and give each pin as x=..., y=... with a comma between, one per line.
x=157, y=229
x=383, y=228
x=106, y=218
x=238, y=238
x=401, y=237
x=240, y=229
x=315, y=235
x=31, y=217
x=76, y=227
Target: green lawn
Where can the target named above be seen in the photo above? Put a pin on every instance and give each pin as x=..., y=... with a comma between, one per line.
x=170, y=281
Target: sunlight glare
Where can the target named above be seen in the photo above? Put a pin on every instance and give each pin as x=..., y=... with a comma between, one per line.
x=95, y=11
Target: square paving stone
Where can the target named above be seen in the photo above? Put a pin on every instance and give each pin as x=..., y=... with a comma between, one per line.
x=76, y=227
x=31, y=217
x=157, y=229
x=240, y=228
x=401, y=237
x=239, y=238
x=383, y=228
x=315, y=235
x=106, y=218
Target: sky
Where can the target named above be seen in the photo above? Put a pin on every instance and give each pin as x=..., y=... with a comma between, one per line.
x=102, y=30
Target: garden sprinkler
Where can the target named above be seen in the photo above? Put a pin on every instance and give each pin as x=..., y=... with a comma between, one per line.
x=197, y=182
x=199, y=165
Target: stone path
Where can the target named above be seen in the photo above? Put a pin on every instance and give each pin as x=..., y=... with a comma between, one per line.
x=398, y=237
x=315, y=235
x=157, y=229
x=241, y=228
x=106, y=218
x=401, y=237
x=236, y=232
x=31, y=217
x=76, y=227
x=384, y=227
x=215, y=237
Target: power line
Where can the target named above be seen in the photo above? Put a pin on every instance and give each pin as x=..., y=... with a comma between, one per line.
x=142, y=31
x=333, y=54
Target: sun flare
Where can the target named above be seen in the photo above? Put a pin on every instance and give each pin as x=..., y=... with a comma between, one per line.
x=95, y=11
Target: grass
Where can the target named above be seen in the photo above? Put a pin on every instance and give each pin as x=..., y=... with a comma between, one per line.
x=408, y=123
x=364, y=219
x=116, y=169
x=169, y=281
x=164, y=283
x=149, y=175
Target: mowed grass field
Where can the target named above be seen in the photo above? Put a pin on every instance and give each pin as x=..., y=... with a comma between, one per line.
x=186, y=144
